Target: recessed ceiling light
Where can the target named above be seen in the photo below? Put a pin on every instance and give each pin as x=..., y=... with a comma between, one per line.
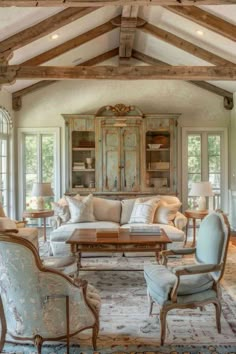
x=54, y=36
x=200, y=32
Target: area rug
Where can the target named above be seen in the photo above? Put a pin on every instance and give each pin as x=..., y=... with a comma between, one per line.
x=126, y=326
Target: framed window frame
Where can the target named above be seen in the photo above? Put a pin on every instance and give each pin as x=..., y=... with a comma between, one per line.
x=186, y=131
x=21, y=161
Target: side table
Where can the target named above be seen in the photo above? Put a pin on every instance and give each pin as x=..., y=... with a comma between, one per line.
x=39, y=214
x=194, y=215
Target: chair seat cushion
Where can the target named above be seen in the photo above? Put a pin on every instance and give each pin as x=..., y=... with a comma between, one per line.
x=160, y=281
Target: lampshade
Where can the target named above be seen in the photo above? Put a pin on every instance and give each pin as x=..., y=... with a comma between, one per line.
x=42, y=190
x=201, y=190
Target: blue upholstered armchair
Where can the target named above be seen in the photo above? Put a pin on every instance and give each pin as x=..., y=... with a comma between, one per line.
x=39, y=303
x=192, y=286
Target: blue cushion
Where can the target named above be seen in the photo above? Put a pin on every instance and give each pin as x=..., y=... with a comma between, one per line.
x=160, y=281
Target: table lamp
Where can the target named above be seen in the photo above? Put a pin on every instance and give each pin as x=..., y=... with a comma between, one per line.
x=41, y=190
x=201, y=190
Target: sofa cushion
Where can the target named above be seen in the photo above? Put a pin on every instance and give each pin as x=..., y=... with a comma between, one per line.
x=61, y=210
x=107, y=209
x=143, y=211
x=166, y=213
x=126, y=210
x=81, y=210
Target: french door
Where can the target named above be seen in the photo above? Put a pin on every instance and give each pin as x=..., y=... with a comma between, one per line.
x=38, y=162
x=205, y=158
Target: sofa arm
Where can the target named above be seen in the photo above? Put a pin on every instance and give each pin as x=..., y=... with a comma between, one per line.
x=55, y=222
x=180, y=221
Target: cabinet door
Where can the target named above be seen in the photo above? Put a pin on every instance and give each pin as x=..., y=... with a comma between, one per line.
x=130, y=159
x=111, y=159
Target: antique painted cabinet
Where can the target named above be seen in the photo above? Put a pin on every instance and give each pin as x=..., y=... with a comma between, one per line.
x=120, y=150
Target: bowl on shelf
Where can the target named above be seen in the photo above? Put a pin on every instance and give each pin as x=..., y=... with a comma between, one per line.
x=154, y=146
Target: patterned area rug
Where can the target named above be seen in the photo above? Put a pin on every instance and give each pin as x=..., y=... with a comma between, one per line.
x=126, y=327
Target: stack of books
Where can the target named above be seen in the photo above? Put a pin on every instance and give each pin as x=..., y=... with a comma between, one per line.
x=78, y=166
x=146, y=230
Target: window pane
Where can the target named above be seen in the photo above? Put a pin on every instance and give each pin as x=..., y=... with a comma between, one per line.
x=194, y=164
x=194, y=145
x=214, y=164
x=47, y=158
x=215, y=180
x=31, y=154
x=214, y=145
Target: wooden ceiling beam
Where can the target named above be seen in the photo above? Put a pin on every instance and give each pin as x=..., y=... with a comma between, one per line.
x=10, y=73
x=206, y=20
x=17, y=95
x=127, y=33
x=71, y=44
x=228, y=96
x=98, y=3
x=181, y=43
x=42, y=29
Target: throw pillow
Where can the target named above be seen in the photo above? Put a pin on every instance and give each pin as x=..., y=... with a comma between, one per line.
x=143, y=211
x=61, y=210
x=81, y=210
x=166, y=213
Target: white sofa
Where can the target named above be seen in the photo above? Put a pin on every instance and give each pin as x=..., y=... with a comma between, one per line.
x=116, y=214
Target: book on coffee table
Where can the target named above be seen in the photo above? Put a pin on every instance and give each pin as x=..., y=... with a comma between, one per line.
x=107, y=233
x=145, y=230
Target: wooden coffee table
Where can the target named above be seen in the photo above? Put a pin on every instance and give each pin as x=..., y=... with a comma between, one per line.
x=85, y=240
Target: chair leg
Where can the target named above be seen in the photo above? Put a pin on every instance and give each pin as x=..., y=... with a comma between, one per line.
x=150, y=302
x=163, y=313
x=218, y=314
x=38, y=342
x=95, y=335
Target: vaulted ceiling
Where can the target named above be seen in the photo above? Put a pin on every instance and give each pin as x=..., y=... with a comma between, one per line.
x=196, y=43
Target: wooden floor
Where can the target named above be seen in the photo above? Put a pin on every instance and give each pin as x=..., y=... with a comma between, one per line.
x=233, y=240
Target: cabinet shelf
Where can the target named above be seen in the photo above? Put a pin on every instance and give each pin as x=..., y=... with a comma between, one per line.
x=159, y=150
x=83, y=149
x=84, y=170
x=159, y=170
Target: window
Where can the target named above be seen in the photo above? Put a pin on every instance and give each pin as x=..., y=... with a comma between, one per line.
x=5, y=131
x=206, y=160
x=39, y=162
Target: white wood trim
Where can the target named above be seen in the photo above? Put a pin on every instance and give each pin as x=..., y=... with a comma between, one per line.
x=224, y=158
x=54, y=131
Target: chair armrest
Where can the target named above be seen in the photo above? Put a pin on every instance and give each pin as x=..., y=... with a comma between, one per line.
x=180, y=251
x=191, y=270
x=196, y=269
x=180, y=220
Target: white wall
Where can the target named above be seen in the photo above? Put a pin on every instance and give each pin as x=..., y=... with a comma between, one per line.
x=6, y=101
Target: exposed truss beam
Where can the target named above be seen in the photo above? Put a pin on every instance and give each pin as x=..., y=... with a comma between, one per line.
x=228, y=101
x=96, y=3
x=41, y=29
x=184, y=45
x=127, y=33
x=71, y=44
x=10, y=73
x=17, y=96
x=206, y=19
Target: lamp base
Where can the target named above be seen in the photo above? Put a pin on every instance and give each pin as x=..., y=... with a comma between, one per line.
x=201, y=203
x=40, y=203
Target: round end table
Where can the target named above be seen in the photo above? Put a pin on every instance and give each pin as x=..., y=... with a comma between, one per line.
x=39, y=214
x=194, y=215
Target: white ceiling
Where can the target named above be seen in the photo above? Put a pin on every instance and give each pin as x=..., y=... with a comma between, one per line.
x=13, y=20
